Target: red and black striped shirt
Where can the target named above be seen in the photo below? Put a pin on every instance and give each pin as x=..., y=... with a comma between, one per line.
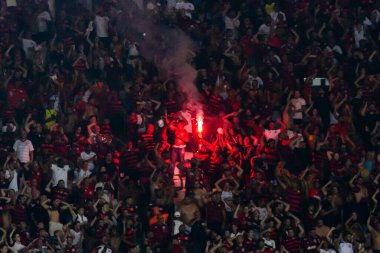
x=171, y=106
x=47, y=148
x=293, y=199
x=59, y=193
x=249, y=245
x=19, y=214
x=216, y=105
x=106, y=130
x=131, y=159
x=293, y=245
x=148, y=142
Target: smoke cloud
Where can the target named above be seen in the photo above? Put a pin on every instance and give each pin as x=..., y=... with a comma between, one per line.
x=169, y=47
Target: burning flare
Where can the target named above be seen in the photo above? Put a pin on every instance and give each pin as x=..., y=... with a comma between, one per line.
x=200, y=125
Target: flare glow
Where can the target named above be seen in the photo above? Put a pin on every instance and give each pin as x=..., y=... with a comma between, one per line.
x=200, y=124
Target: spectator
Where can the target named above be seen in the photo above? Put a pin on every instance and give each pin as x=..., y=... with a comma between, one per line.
x=24, y=149
x=60, y=172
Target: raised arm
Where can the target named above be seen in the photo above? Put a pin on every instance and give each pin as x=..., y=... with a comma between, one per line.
x=11, y=235
x=94, y=206
x=321, y=30
x=279, y=172
x=324, y=188
x=302, y=231
x=151, y=164
x=364, y=109
x=236, y=211
x=328, y=238
x=376, y=180
x=240, y=171
x=370, y=58
x=237, y=185
x=351, y=182
x=283, y=125
x=48, y=186
x=296, y=219
x=348, y=223
x=278, y=222
x=297, y=37
x=89, y=128
x=217, y=186
x=370, y=228
x=374, y=198
x=4, y=234
x=45, y=205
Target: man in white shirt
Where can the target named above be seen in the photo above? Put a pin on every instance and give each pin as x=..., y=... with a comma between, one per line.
x=24, y=149
x=29, y=45
x=185, y=115
x=42, y=20
x=83, y=173
x=101, y=26
x=81, y=218
x=346, y=247
x=185, y=7
x=299, y=105
x=232, y=22
x=170, y=5
x=275, y=15
x=268, y=242
x=272, y=133
x=89, y=156
x=60, y=171
x=265, y=28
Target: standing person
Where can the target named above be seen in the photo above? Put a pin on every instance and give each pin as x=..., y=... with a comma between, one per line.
x=101, y=22
x=89, y=156
x=375, y=233
x=185, y=115
x=181, y=137
x=43, y=20
x=299, y=105
x=185, y=8
x=24, y=149
x=60, y=172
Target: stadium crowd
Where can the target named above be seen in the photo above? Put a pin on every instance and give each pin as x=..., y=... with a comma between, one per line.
x=93, y=128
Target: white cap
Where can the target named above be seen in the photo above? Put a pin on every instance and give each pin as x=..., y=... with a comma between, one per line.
x=177, y=214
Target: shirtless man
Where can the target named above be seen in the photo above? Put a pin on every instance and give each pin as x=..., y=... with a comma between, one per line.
x=360, y=191
x=321, y=229
x=188, y=208
x=375, y=233
x=54, y=214
x=200, y=194
x=179, y=147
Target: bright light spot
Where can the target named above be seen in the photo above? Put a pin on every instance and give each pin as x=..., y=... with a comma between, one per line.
x=200, y=124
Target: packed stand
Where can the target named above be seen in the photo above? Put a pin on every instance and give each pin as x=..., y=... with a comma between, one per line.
x=95, y=125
